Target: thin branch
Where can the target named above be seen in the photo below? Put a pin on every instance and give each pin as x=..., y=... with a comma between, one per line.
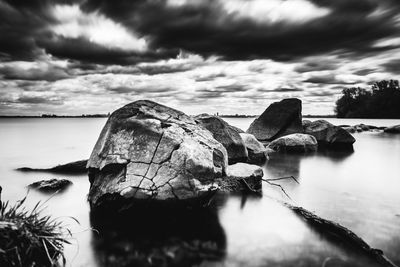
x=278, y=185
x=282, y=178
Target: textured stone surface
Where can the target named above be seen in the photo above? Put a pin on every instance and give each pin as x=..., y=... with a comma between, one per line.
x=279, y=119
x=150, y=151
x=295, y=143
x=225, y=134
x=255, y=149
x=241, y=176
x=392, y=129
x=51, y=185
x=329, y=135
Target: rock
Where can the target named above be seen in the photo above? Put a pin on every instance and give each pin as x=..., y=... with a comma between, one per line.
x=393, y=129
x=147, y=151
x=279, y=119
x=305, y=123
x=225, y=134
x=295, y=143
x=241, y=176
x=255, y=149
x=237, y=129
x=329, y=135
x=349, y=129
x=76, y=167
x=51, y=185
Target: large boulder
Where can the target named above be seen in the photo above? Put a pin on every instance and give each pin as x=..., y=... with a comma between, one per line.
x=294, y=143
x=255, y=149
x=279, y=119
x=225, y=134
x=147, y=151
x=329, y=135
x=392, y=129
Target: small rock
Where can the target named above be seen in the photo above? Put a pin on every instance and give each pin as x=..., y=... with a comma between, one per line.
x=240, y=176
x=225, y=134
x=51, y=185
x=255, y=149
x=393, y=129
x=295, y=143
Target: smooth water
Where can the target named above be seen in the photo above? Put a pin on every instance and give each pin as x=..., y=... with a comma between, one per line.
x=360, y=190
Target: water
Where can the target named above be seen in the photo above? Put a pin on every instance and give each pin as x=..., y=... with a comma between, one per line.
x=358, y=190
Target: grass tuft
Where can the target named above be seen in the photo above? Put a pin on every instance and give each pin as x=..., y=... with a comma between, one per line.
x=28, y=238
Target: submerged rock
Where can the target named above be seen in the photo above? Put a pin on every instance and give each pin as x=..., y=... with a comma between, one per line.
x=255, y=149
x=279, y=119
x=51, y=185
x=295, y=143
x=76, y=167
x=225, y=134
x=147, y=151
x=393, y=129
x=241, y=176
x=329, y=135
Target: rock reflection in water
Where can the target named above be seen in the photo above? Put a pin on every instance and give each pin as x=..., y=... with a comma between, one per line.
x=157, y=235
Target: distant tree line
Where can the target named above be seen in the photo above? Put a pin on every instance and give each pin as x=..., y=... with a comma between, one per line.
x=381, y=101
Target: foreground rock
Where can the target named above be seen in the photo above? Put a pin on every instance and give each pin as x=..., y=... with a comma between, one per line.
x=225, y=134
x=255, y=149
x=76, y=167
x=294, y=143
x=242, y=177
x=147, y=151
x=279, y=119
x=329, y=135
x=393, y=129
x=51, y=185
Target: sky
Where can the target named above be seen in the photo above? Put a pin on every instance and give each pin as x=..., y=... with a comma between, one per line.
x=199, y=56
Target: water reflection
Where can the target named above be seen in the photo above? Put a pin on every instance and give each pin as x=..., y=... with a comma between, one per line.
x=154, y=235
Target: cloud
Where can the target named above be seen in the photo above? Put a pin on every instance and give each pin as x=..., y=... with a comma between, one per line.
x=40, y=70
x=94, y=27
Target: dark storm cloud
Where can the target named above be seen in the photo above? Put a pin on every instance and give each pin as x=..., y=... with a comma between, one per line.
x=326, y=79
x=392, y=66
x=140, y=90
x=53, y=73
x=316, y=66
x=202, y=27
x=205, y=28
x=281, y=90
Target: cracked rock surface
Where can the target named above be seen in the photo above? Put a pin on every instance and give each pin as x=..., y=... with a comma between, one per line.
x=150, y=151
x=227, y=135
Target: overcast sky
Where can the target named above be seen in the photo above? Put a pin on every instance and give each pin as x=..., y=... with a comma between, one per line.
x=226, y=56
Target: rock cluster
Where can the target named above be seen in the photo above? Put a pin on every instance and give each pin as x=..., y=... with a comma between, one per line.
x=282, y=129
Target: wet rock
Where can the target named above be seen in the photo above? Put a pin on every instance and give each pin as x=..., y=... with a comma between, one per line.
x=305, y=123
x=349, y=129
x=329, y=135
x=393, y=129
x=255, y=149
x=227, y=135
x=76, y=167
x=279, y=119
x=51, y=185
x=147, y=151
x=240, y=176
x=295, y=143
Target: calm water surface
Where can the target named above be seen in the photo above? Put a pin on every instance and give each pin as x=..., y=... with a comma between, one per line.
x=359, y=190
